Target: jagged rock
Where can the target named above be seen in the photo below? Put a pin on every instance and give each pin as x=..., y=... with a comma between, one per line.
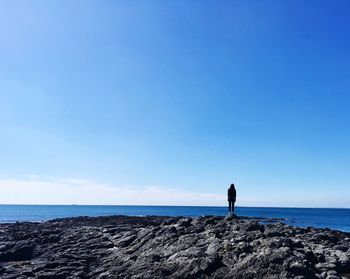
x=163, y=247
x=21, y=251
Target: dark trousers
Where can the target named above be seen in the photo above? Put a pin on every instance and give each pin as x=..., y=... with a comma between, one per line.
x=231, y=206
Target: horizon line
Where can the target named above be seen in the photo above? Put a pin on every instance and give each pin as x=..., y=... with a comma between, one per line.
x=154, y=205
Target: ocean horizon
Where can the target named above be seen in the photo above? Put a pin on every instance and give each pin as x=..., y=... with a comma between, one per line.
x=332, y=218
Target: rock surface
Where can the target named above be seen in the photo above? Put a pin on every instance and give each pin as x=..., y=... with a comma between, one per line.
x=164, y=247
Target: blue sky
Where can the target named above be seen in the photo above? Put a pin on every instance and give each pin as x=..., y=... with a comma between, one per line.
x=183, y=97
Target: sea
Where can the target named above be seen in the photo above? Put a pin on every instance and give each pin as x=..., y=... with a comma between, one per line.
x=332, y=218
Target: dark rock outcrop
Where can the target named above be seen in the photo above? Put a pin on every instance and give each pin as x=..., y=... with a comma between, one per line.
x=164, y=247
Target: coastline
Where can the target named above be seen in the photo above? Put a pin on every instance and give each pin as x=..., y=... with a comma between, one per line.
x=337, y=219
x=171, y=247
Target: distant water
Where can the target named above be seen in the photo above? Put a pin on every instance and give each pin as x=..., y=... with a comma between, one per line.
x=338, y=219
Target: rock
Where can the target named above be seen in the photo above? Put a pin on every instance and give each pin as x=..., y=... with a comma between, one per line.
x=162, y=247
x=124, y=242
x=325, y=266
x=342, y=248
x=21, y=251
x=184, y=222
x=332, y=272
x=253, y=226
x=298, y=268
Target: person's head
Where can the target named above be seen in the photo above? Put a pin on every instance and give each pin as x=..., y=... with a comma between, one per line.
x=232, y=186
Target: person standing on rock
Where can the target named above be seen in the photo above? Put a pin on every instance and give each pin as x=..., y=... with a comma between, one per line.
x=231, y=197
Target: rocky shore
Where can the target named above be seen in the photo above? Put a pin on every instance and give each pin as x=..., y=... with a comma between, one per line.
x=163, y=247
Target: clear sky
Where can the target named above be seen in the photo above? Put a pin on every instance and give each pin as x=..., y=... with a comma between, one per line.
x=168, y=102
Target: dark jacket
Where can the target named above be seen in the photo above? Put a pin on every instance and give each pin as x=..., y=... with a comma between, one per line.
x=231, y=194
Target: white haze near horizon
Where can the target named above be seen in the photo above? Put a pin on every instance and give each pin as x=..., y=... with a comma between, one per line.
x=40, y=190
x=47, y=190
